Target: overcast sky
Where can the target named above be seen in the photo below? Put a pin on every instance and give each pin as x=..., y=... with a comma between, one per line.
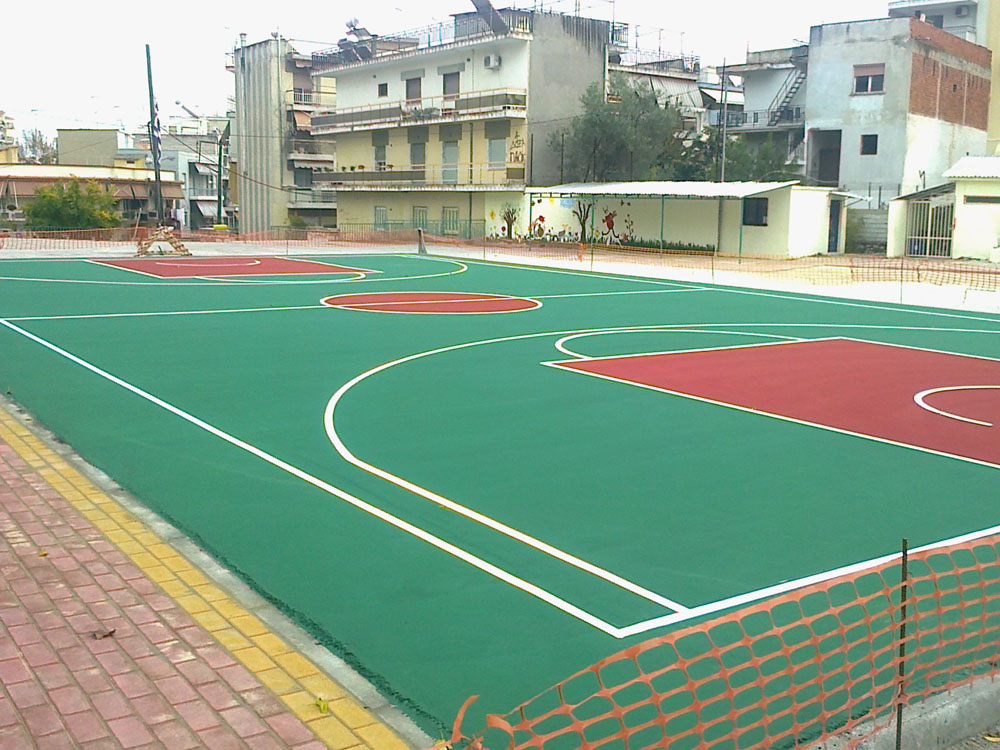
x=82, y=64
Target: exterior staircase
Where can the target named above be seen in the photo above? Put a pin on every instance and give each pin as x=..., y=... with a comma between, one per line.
x=796, y=78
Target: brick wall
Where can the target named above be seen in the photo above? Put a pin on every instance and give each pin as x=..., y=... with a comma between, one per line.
x=953, y=45
x=948, y=93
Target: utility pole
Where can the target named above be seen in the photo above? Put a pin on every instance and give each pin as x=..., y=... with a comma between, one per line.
x=725, y=122
x=223, y=137
x=154, y=140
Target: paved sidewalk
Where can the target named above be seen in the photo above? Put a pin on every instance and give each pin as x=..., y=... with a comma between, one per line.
x=110, y=638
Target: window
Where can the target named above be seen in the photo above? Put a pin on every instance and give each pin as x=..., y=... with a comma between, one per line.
x=982, y=199
x=449, y=221
x=869, y=145
x=420, y=216
x=303, y=177
x=869, y=79
x=381, y=217
x=755, y=212
x=379, y=157
x=418, y=154
x=496, y=153
x=413, y=90
x=450, y=85
x=383, y=89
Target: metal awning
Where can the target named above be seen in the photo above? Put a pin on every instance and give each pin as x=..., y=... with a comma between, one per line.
x=931, y=192
x=303, y=120
x=208, y=209
x=204, y=169
x=652, y=189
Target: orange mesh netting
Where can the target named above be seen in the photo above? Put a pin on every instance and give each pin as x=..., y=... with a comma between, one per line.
x=792, y=671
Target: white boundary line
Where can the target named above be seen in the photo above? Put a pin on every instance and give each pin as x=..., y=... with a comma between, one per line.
x=560, y=345
x=165, y=281
x=635, y=629
x=719, y=288
x=919, y=400
x=169, y=312
x=372, y=510
x=786, y=586
x=684, y=613
x=762, y=413
x=116, y=263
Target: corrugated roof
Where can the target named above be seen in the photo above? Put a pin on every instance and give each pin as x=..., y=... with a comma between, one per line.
x=651, y=189
x=984, y=167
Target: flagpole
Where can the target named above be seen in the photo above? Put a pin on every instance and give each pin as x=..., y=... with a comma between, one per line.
x=154, y=130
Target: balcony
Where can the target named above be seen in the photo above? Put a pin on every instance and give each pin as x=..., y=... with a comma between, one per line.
x=426, y=111
x=312, y=198
x=314, y=161
x=762, y=119
x=310, y=101
x=430, y=177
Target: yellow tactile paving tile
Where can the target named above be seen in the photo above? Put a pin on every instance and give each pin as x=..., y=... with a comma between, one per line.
x=296, y=681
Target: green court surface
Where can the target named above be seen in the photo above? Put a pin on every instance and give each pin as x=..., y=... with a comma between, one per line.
x=454, y=516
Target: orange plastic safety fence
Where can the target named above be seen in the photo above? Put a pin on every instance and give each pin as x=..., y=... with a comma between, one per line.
x=793, y=671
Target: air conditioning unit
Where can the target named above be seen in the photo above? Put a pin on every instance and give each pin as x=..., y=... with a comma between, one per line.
x=962, y=10
x=491, y=62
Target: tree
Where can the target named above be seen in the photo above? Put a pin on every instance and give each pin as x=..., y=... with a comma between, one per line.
x=35, y=148
x=582, y=214
x=620, y=135
x=699, y=157
x=509, y=213
x=72, y=206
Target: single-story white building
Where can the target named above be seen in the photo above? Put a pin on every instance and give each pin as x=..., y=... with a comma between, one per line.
x=959, y=219
x=775, y=219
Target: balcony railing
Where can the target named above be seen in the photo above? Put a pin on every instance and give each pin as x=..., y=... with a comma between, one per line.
x=304, y=196
x=465, y=174
x=658, y=60
x=424, y=110
x=301, y=98
x=761, y=119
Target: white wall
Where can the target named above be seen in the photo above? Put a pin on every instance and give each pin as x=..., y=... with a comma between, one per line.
x=809, y=222
x=977, y=225
x=933, y=146
x=359, y=86
x=761, y=86
x=896, y=241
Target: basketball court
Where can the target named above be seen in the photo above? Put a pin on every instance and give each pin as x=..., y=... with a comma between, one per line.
x=477, y=478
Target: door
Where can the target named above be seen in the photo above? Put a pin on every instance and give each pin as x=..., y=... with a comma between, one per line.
x=449, y=162
x=833, y=244
x=420, y=217
x=829, y=166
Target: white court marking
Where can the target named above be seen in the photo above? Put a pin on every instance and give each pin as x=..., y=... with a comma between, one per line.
x=561, y=343
x=919, y=399
x=372, y=510
x=374, y=306
x=461, y=268
x=189, y=264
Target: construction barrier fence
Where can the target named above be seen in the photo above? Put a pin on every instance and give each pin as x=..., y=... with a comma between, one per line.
x=942, y=282
x=828, y=663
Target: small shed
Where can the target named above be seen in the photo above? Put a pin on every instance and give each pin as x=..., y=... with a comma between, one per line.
x=958, y=219
x=775, y=219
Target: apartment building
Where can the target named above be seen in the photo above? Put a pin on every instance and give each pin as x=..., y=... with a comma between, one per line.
x=879, y=108
x=442, y=126
x=8, y=143
x=272, y=148
x=973, y=20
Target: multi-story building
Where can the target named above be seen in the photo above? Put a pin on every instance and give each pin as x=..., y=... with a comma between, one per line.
x=8, y=143
x=879, y=107
x=444, y=125
x=973, y=20
x=274, y=155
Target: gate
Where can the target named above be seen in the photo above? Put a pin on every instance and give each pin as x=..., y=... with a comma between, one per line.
x=929, y=226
